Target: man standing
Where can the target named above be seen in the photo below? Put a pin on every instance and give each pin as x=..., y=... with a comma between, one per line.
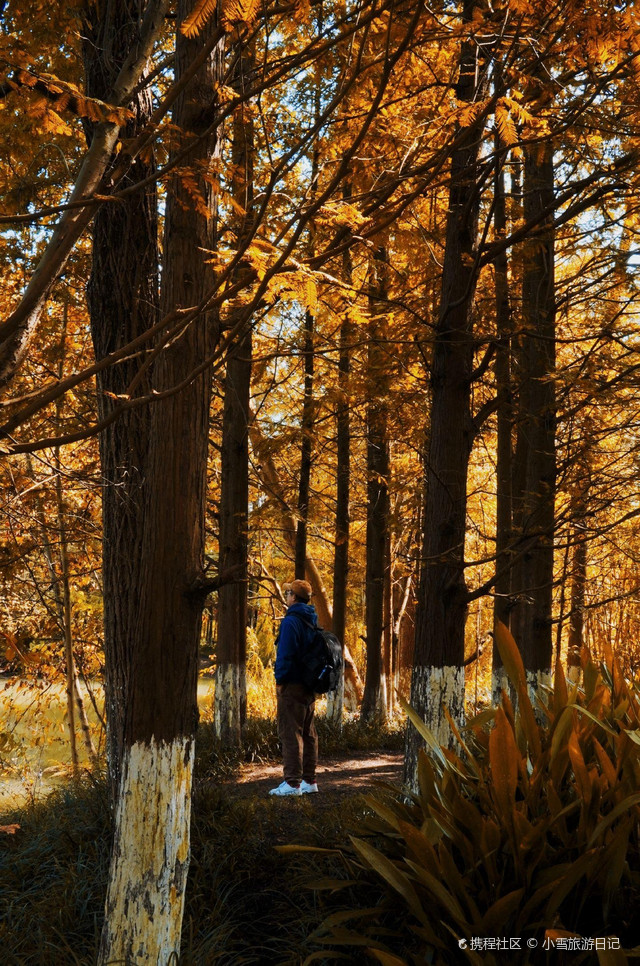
x=296, y=703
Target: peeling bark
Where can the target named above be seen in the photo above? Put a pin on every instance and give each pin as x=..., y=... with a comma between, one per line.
x=228, y=705
x=150, y=856
x=432, y=690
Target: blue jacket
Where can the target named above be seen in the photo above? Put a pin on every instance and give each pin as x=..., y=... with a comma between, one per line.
x=292, y=636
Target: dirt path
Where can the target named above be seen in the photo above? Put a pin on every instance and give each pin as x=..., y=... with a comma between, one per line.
x=337, y=777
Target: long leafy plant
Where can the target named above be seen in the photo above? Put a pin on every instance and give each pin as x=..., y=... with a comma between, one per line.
x=529, y=831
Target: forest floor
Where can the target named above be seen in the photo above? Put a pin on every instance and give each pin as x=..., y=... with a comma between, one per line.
x=275, y=908
x=247, y=902
x=338, y=777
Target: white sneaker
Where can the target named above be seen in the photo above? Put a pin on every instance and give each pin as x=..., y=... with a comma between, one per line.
x=307, y=787
x=286, y=789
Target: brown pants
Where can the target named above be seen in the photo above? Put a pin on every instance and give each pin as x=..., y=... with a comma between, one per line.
x=297, y=731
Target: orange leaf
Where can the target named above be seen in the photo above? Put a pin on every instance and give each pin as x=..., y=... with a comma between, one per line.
x=560, y=693
x=504, y=759
x=514, y=667
x=579, y=768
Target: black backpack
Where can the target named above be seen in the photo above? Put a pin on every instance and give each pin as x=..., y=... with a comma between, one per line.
x=320, y=660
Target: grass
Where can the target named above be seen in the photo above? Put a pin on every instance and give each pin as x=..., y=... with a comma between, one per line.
x=52, y=877
x=245, y=903
x=35, y=755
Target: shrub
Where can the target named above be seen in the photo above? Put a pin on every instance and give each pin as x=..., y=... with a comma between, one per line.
x=531, y=831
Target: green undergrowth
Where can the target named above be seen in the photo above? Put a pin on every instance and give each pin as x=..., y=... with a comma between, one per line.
x=246, y=903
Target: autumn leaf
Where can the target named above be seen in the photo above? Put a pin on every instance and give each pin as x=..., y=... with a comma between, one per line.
x=202, y=11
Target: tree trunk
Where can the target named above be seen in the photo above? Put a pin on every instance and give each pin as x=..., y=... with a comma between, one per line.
x=504, y=468
x=343, y=471
x=578, y=575
x=61, y=587
x=438, y=674
x=398, y=625
x=150, y=855
x=268, y=473
x=122, y=297
x=65, y=616
x=231, y=648
x=531, y=622
x=271, y=484
x=374, y=701
x=84, y=720
x=388, y=667
x=306, y=448
x=231, y=644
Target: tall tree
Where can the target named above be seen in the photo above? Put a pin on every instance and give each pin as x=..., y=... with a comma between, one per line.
x=145, y=897
x=504, y=429
x=231, y=646
x=122, y=297
x=306, y=447
x=343, y=479
x=438, y=674
x=535, y=455
x=374, y=701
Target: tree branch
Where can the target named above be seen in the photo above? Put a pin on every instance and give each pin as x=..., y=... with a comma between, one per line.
x=17, y=330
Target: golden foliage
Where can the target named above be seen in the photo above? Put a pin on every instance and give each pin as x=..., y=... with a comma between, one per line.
x=236, y=13
x=57, y=94
x=202, y=11
x=233, y=13
x=506, y=126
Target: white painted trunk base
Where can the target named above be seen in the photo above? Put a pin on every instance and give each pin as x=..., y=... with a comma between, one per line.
x=537, y=681
x=574, y=675
x=150, y=857
x=230, y=683
x=335, y=702
x=433, y=689
x=500, y=682
x=383, y=699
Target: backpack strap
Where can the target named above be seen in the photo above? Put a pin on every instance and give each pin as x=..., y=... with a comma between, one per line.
x=314, y=627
